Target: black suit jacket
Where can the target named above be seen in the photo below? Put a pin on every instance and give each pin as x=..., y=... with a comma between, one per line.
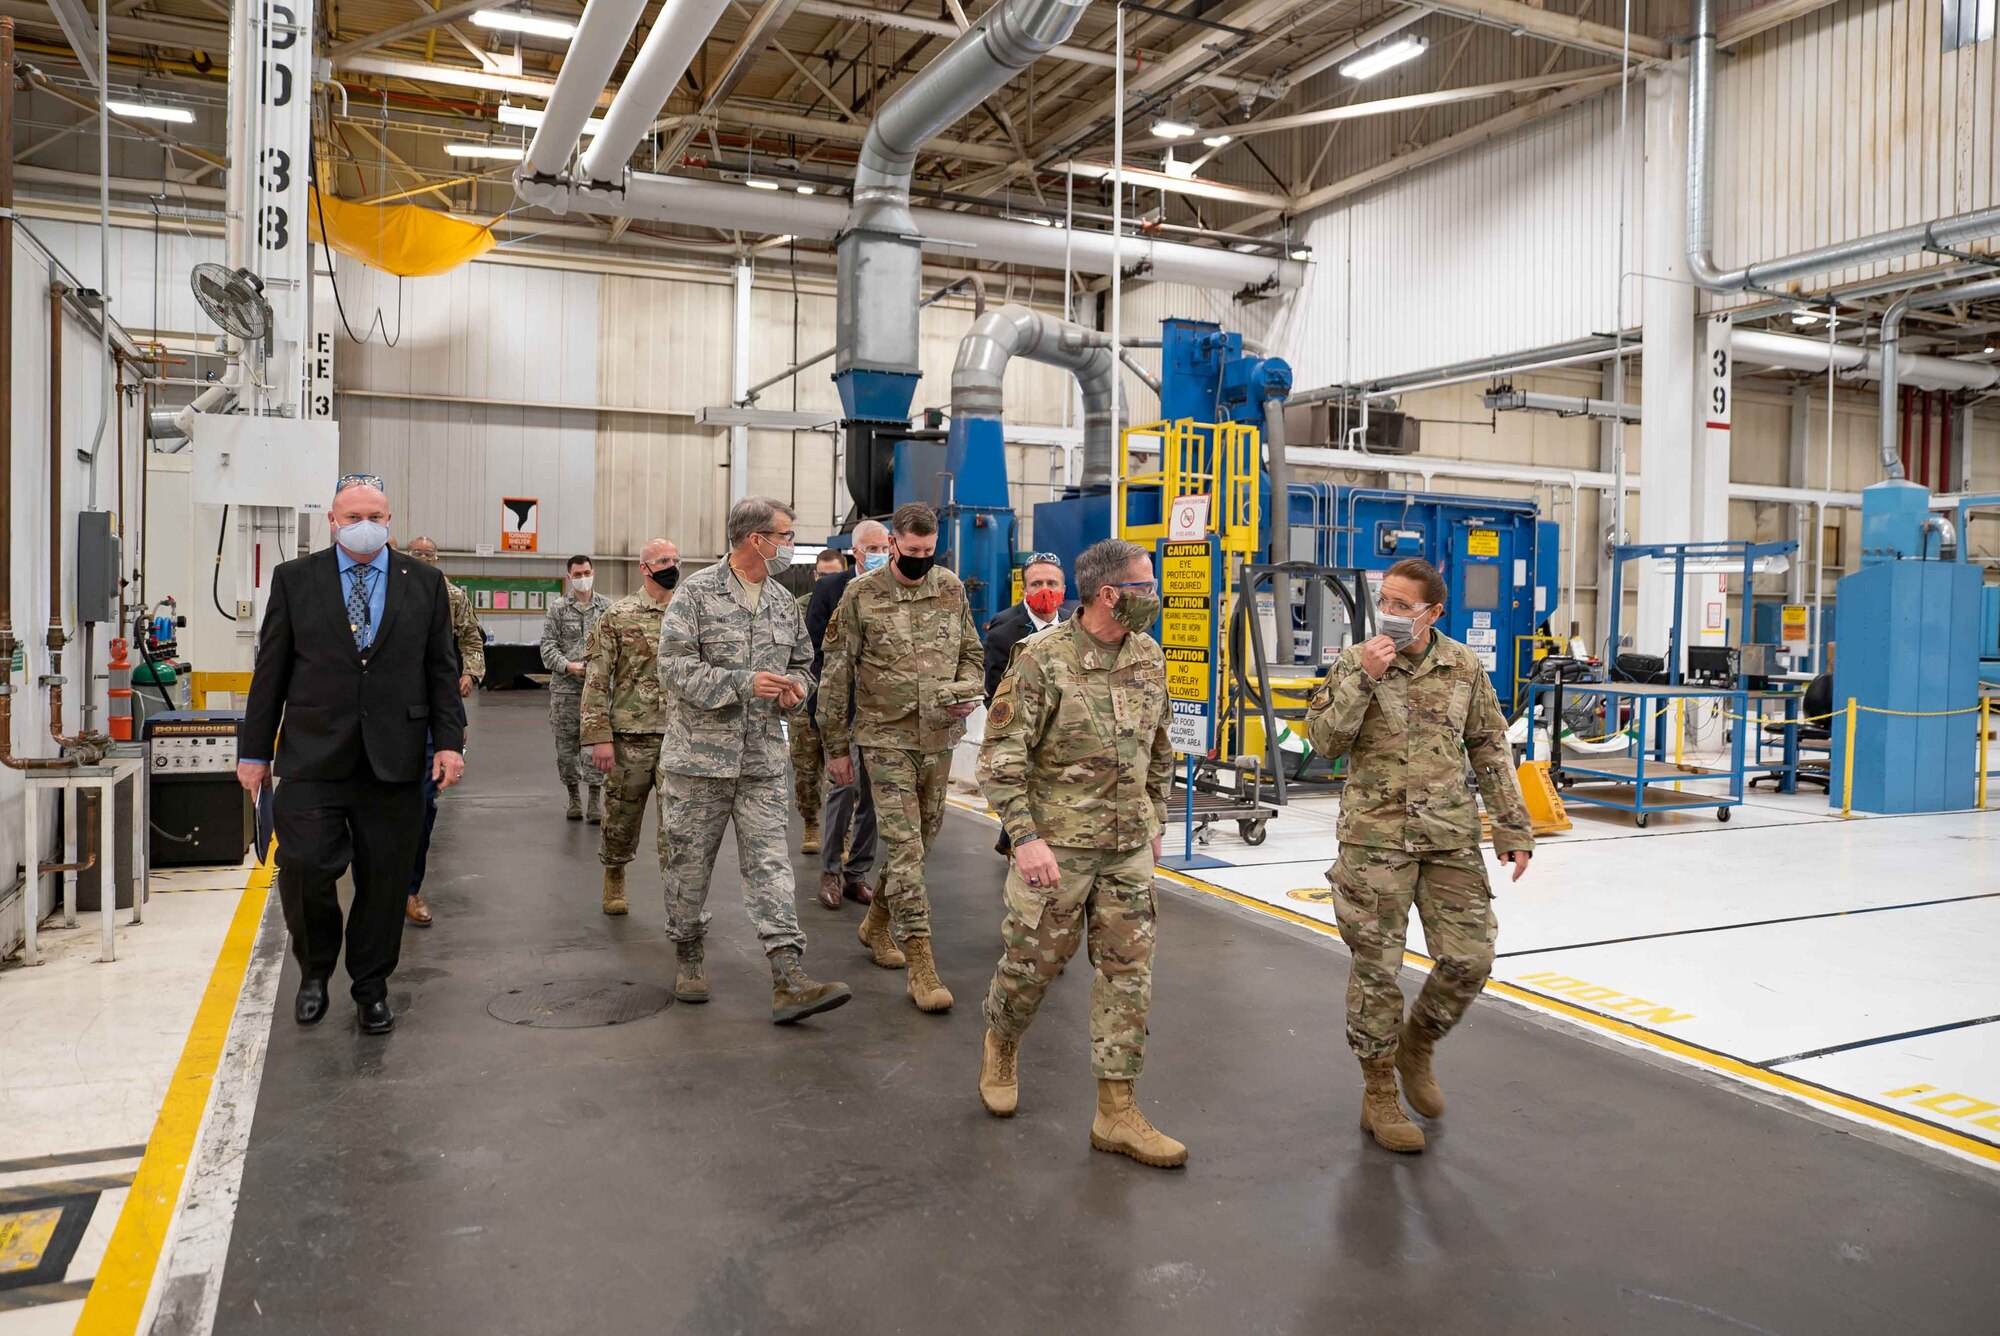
x=1006, y=630
x=344, y=716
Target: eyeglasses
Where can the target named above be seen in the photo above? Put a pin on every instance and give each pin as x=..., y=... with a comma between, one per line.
x=1144, y=586
x=348, y=480
x=1398, y=609
x=781, y=538
x=431, y=557
x=1042, y=559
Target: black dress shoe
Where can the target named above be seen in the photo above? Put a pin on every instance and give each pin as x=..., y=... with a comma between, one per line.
x=311, y=1002
x=376, y=1018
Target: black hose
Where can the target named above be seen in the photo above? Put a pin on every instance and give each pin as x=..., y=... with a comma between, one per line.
x=215, y=579
x=146, y=656
x=169, y=835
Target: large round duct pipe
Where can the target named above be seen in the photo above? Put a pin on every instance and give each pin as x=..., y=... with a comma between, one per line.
x=677, y=34
x=593, y=53
x=1001, y=335
x=1757, y=347
x=964, y=236
x=1892, y=334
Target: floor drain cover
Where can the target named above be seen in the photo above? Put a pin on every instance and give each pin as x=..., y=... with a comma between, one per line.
x=574, y=1004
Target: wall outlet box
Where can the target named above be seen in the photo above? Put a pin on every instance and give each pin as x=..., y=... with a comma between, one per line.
x=243, y=610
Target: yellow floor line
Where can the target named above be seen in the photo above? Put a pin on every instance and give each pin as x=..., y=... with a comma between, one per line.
x=1639, y=1034
x=117, y=1298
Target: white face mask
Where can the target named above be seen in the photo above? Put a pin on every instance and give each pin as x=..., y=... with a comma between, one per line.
x=583, y=584
x=363, y=538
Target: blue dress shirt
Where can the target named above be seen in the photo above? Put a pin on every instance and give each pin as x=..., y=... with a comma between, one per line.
x=378, y=587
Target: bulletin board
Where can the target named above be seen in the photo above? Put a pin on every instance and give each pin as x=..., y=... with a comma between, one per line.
x=525, y=594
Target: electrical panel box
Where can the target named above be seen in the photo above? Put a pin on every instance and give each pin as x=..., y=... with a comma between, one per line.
x=96, y=567
x=251, y=460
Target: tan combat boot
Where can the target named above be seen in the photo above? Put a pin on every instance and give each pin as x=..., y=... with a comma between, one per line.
x=1413, y=1064
x=794, y=993
x=999, y=1090
x=614, y=891
x=689, y=985
x=575, y=812
x=810, y=844
x=593, y=810
x=1121, y=1129
x=926, y=989
x=1382, y=1113
x=874, y=934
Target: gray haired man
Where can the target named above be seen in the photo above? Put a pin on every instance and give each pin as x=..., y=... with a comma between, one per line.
x=734, y=657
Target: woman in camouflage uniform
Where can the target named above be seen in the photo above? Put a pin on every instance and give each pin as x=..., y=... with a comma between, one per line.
x=1410, y=710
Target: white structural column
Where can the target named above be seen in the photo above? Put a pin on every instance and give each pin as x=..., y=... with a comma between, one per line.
x=1666, y=492
x=1715, y=399
x=1798, y=473
x=739, y=386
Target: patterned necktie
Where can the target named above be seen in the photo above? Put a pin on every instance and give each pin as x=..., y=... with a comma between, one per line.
x=357, y=605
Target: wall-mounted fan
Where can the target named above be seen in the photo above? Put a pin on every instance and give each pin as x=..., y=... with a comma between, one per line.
x=234, y=299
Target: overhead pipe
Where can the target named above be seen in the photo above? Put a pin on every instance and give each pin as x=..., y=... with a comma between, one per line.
x=1011, y=331
x=880, y=246
x=1759, y=347
x=1939, y=234
x=593, y=54
x=1891, y=362
x=963, y=236
x=677, y=35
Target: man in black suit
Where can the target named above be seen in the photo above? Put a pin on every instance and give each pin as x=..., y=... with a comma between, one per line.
x=356, y=659
x=1040, y=608
x=847, y=811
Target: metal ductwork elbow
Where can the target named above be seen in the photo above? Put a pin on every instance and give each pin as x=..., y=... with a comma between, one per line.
x=879, y=250
x=1985, y=289
x=1007, y=332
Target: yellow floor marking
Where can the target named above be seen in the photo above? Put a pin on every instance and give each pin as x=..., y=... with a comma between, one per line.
x=1694, y=1053
x=118, y=1295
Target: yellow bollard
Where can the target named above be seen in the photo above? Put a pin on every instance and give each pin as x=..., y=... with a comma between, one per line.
x=1847, y=767
x=1985, y=728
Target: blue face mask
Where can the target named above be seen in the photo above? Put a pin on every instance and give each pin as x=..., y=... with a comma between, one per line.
x=873, y=561
x=363, y=538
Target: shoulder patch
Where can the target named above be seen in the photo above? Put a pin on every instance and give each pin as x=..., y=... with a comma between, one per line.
x=1001, y=713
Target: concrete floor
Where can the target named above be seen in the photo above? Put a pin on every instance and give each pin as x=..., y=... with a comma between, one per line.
x=702, y=1171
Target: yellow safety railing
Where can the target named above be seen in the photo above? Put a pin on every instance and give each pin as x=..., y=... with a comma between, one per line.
x=1221, y=461
x=1851, y=713
x=200, y=684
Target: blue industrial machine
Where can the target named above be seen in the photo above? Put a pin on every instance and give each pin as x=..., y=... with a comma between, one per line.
x=1205, y=377
x=1914, y=614
x=1500, y=561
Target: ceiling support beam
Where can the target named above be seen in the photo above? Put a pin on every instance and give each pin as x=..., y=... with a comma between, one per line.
x=1562, y=29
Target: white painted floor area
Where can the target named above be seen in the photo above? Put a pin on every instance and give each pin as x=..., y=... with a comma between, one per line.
x=1768, y=941
x=87, y=1051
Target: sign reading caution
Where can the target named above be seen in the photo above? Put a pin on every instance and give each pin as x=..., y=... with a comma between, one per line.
x=1187, y=636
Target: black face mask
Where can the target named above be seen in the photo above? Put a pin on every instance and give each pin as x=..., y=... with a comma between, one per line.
x=915, y=568
x=666, y=577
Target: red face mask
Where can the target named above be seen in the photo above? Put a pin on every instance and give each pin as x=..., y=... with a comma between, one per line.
x=1044, y=602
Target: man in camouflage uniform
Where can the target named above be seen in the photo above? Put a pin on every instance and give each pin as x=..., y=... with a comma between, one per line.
x=902, y=649
x=807, y=758
x=566, y=629
x=471, y=639
x=734, y=655
x=1077, y=763
x=619, y=715
x=1411, y=710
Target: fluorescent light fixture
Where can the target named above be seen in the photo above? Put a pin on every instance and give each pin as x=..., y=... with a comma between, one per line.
x=1990, y=349
x=759, y=183
x=1804, y=318
x=1174, y=167
x=1040, y=221
x=1246, y=248
x=146, y=111
x=518, y=20
x=1217, y=141
x=807, y=190
x=1174, y=129
x=531, y=118
x=496, y=152
x=1385, y=57
x=1302, y=253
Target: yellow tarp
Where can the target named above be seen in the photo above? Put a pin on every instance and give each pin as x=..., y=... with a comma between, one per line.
x=400, y=239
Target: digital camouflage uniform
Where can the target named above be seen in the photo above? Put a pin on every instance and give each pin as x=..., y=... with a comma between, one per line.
x=566, y=629
x=901, y=654
x=622, y=705
x=807, y=758
x=470, y=635
x=1076, y=752
x=1409, y=830
x=723, y=753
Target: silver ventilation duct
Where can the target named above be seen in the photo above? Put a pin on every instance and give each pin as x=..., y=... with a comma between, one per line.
x=1892, y=334
x=1007, y=332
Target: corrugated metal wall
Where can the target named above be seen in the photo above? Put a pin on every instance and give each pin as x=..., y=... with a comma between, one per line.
x=1851, y=121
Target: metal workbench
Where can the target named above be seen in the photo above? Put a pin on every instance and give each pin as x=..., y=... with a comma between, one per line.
x=1636, y=781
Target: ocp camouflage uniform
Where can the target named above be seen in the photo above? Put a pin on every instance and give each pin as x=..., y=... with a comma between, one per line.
x=466, y=630
x=1409, y=830
x=566, y=629
x=902, y=654
x=808, y=758
x=622, y=704
x=1076, y=753
x=723, y=754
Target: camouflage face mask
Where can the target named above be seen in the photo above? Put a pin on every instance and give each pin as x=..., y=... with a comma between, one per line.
x=1135, y=612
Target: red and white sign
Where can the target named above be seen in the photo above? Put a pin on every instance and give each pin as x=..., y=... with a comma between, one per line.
x=520, y=523
x=1714, y=617
x=1187, y=518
